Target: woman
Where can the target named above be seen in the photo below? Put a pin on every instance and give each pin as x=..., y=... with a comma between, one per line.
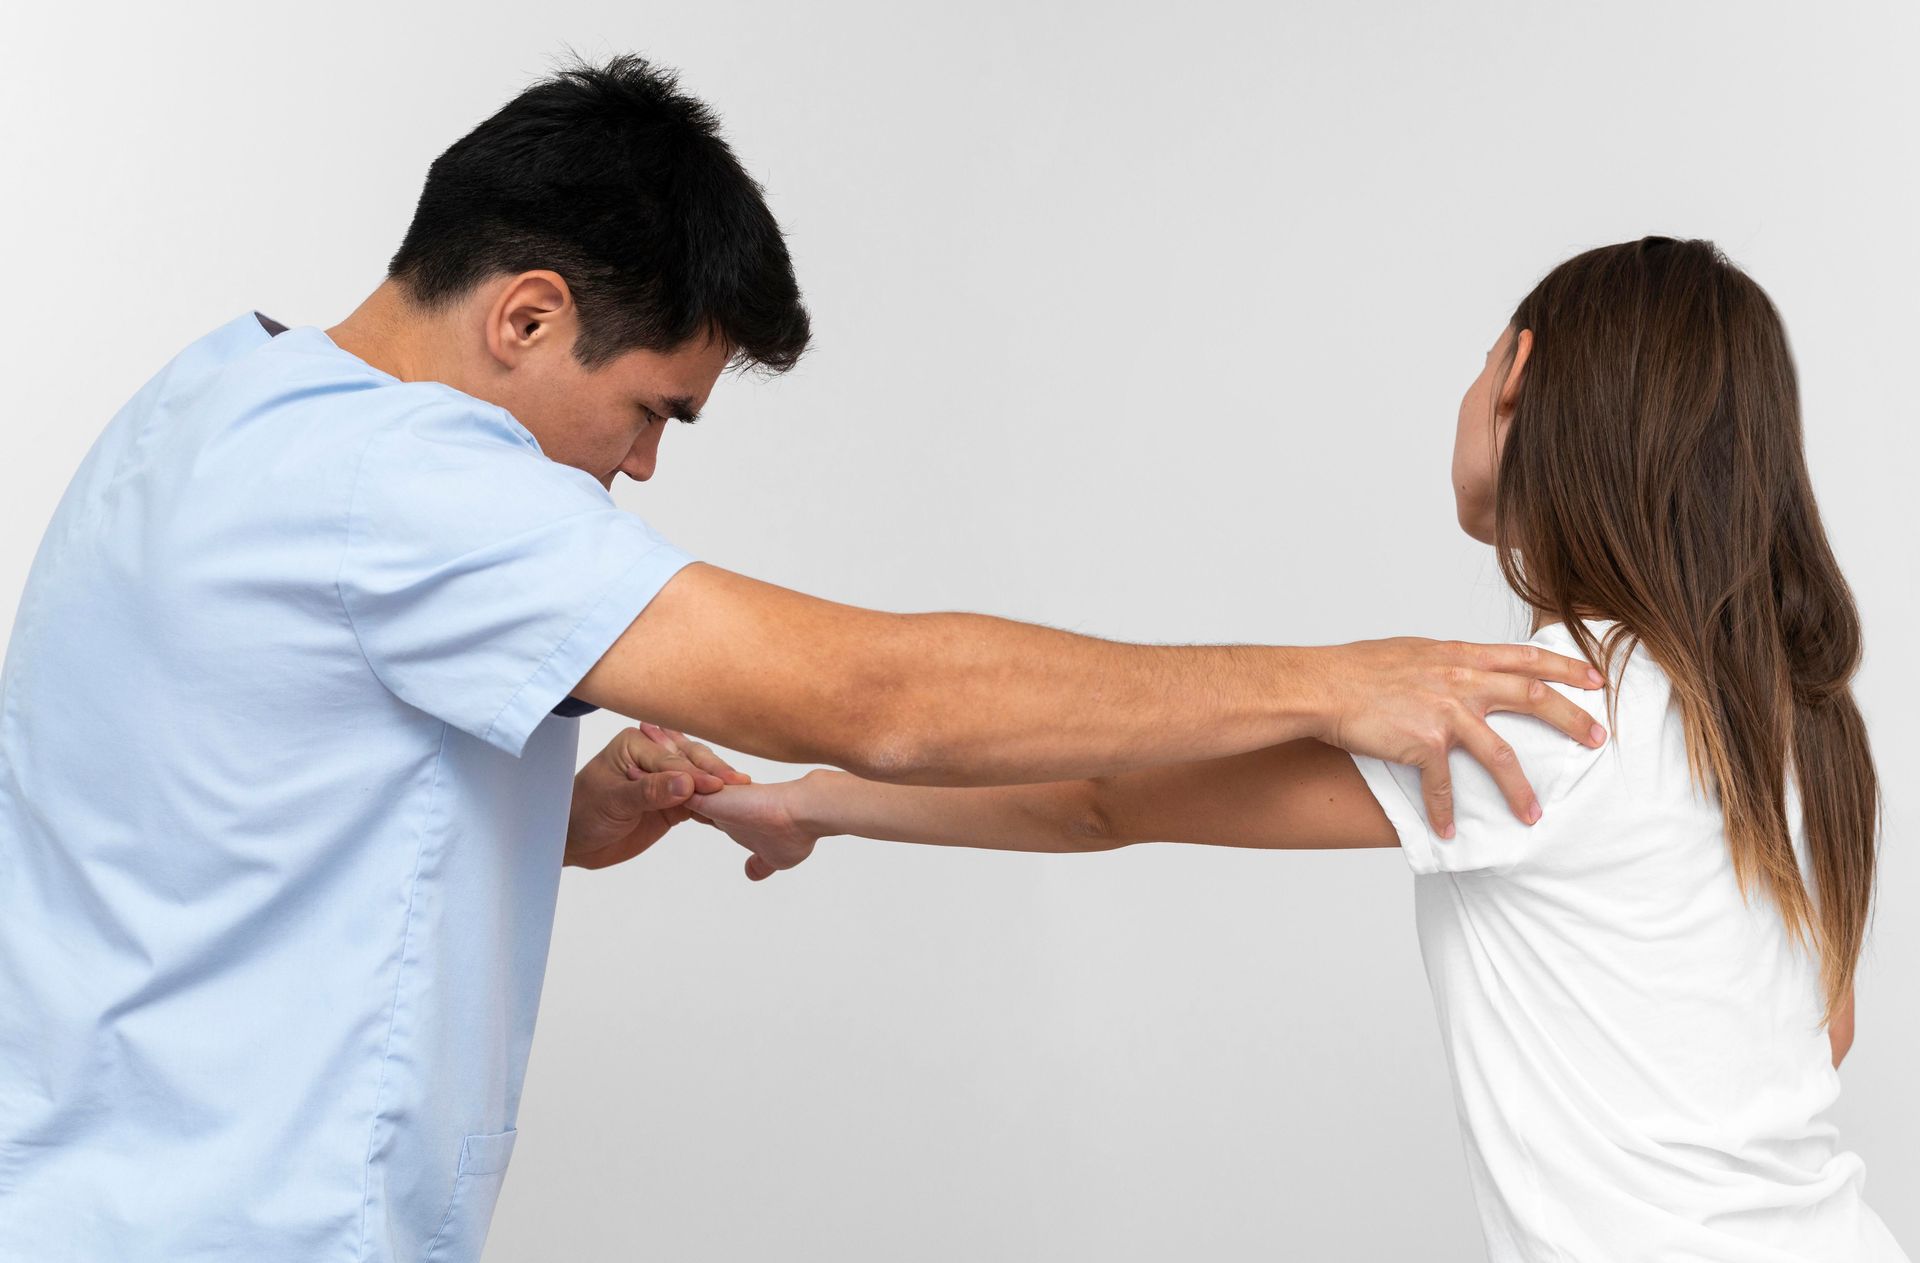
x=1644, y=995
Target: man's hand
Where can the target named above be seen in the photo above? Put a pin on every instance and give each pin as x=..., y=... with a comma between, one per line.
x=1412, y=701
x=636, y=789
x=764, y=819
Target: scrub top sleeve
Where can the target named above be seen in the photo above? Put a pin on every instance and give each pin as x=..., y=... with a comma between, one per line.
x=482, y=579
x=1487, y=835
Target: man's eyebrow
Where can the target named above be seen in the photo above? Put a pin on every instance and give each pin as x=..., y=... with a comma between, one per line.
x=681, y=408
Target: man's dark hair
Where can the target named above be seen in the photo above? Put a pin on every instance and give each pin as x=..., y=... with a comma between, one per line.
x=612, y=177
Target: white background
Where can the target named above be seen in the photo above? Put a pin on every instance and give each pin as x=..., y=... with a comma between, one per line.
x=1143, y=321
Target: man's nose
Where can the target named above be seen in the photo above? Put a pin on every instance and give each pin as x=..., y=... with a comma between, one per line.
x=644, y=456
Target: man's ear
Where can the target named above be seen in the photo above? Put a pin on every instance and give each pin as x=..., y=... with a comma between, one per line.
x=1510, y=388
x=530, y=309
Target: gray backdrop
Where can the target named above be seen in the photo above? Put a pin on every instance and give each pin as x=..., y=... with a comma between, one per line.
x=1143, y=321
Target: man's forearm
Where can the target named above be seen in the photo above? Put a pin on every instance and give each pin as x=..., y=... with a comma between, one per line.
x=978, y=700
x=940, y=699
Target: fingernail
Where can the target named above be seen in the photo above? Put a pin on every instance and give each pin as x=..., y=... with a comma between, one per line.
x=1598, y=735
x=1533, y=812
x=1446, y=831
x=1595, y=678
x=679, y=784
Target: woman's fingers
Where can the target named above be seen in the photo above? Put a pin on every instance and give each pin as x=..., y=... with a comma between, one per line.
x=705, y=759
x=649, y=748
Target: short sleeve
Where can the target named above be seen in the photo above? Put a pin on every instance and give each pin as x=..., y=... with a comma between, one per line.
x=1487, y=835
x=482, y=579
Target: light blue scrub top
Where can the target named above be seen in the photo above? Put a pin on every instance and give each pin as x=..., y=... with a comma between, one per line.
x=282, y=807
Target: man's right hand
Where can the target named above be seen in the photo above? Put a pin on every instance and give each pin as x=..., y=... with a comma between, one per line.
x=1413, y=701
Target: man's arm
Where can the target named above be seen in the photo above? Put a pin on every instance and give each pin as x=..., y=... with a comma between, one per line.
x=963, y=699
x=1300, y=795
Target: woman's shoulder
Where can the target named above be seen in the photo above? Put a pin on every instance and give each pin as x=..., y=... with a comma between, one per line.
x=1632, y=674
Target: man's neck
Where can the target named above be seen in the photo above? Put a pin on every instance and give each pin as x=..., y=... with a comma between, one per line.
x=385, y=330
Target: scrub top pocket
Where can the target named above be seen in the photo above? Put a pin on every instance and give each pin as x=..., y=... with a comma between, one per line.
x=483, y=1168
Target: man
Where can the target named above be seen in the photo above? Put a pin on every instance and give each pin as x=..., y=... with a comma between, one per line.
x=286, y=718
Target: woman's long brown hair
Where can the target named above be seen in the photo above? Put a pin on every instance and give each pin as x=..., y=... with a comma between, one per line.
x=1653, y=474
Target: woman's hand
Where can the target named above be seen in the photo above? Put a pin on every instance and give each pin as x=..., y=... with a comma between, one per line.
x=762, y=818
x=633, y=791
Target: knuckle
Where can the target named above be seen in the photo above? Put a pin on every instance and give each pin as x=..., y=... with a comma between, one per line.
x=1537, y=691
x=1502, y=756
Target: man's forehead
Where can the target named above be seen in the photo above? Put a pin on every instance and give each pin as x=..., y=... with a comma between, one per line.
x=685, y=374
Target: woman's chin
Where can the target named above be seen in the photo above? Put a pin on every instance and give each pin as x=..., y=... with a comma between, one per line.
x=1477, y=525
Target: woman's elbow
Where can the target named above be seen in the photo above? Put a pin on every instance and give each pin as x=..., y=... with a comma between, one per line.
x=1086, y=820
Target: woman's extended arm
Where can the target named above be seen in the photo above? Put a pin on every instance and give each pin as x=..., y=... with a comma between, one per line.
x=1299, y=795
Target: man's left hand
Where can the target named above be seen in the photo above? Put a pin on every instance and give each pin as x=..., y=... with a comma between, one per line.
x=632, y=792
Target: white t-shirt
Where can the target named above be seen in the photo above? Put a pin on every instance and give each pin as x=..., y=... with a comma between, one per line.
x=1638, y=1060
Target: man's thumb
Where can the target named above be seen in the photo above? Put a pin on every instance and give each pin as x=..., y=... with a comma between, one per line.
x=666, y=789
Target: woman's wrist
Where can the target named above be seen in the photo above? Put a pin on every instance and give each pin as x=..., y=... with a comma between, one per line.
x=812, y=802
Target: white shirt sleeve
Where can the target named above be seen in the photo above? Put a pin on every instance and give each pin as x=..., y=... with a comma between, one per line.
x=482, y=579
x=1487, y=835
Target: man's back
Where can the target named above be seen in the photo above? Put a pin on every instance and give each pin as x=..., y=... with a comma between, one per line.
x=282, y=810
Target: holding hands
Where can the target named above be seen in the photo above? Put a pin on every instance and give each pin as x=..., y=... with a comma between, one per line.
x=632, y=792
x=765, y=819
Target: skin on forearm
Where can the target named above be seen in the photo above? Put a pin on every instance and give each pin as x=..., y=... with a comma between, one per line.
x=1299, y=795
x=942, y=699
x=1054, y=817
